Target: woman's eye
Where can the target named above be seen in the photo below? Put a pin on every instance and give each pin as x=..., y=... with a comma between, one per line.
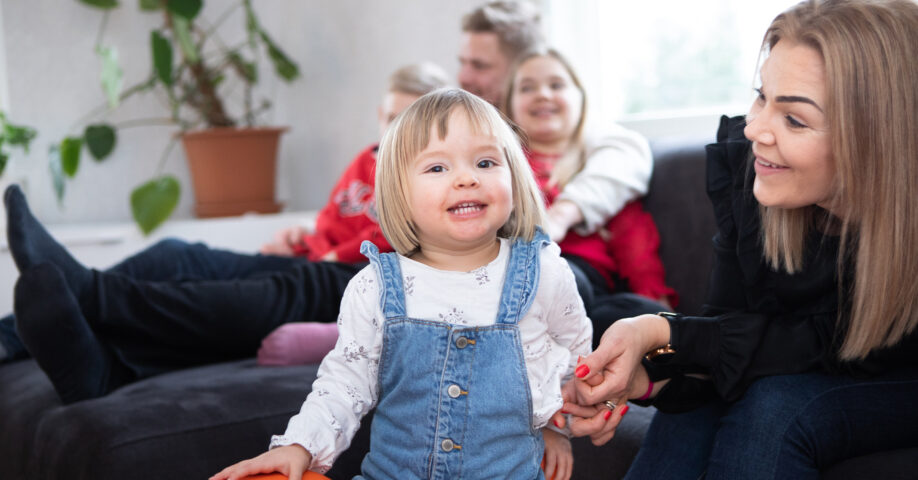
x=486, y=163
x=759, y=96
x=793, y=122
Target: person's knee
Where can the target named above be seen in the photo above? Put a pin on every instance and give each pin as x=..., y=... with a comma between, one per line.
x=778, y=422
x=171, y=246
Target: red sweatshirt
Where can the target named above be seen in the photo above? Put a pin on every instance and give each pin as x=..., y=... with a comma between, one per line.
x=350, y=216
x=627, y=246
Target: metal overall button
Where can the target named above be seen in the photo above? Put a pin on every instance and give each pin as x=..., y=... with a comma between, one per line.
x=454, y=391
x=463, y=342
x=448, y=445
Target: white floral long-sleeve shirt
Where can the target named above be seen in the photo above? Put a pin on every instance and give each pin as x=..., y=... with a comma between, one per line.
x=553, y=333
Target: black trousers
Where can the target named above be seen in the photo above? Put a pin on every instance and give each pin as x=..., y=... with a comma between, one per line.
x=178, y=305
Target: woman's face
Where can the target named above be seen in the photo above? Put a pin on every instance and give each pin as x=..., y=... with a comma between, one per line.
x=546, y=103
x=788, y=127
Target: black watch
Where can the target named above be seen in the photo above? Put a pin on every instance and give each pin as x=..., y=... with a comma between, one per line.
x=663, y=353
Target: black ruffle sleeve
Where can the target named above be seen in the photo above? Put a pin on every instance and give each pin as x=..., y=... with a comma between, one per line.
x=747, y=333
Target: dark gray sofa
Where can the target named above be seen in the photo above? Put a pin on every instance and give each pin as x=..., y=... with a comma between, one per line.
x=189, y=424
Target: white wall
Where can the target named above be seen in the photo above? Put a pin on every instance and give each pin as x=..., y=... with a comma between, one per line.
x=345, y=49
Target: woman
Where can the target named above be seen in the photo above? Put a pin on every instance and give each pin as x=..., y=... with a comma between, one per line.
x=806, y=355
x=608, y=239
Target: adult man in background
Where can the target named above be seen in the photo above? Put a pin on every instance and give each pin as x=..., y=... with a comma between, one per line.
x=494, y=35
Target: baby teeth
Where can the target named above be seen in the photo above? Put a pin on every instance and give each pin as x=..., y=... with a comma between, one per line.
x=466, y=208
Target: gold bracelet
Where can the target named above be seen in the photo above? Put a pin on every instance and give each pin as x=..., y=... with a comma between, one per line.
x=664, y=350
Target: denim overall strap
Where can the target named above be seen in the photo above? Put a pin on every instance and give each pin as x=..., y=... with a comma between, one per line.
x=522, y=278
x=392, y=295
x=454, y=402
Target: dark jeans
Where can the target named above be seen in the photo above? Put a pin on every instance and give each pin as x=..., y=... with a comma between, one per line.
x=788, y=426
x=176, y=304
x=603, y=305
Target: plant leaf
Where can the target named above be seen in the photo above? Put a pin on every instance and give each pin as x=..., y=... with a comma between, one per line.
x=150, y=5
x=162, y=57
x=282, y=64
x=247, y=70
x=3, y=159
x=70, y=155
x=182, y=30
x=251, y=24
x=154, y=201
x=112, y=77
x=57, y=173
x=185, y=8
x=100, y=140
x=103, y=4
x=18, y=135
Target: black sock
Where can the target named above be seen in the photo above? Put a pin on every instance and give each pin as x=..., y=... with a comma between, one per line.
x=53, y=329
x=9, y=340
x=31, y=244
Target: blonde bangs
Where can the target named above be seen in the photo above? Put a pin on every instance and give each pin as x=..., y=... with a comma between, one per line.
x=409, y=134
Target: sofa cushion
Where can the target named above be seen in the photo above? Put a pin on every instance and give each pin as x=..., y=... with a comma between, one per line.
x=188, y=424
x=682, y=212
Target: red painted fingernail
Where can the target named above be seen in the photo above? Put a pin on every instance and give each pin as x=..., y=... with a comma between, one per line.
x=557, y=424
x=565, y=412
x=582, y=371
x=624, y=410
x=607, y=414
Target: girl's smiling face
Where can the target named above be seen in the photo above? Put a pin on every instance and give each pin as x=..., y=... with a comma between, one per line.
x=789, y=130
x=546, y=103
x=459, y=189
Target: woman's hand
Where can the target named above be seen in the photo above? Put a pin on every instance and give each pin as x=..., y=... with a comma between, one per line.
x=292, y=461
x=287, y=242
x=559, y=458
x=613, y=372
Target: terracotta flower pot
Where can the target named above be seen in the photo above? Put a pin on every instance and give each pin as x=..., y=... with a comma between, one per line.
x=233, y=170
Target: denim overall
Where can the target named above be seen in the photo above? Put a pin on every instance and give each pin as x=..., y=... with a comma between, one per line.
x=454, y=401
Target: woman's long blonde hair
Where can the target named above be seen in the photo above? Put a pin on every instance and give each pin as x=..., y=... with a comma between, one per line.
x=870, y=50
x=410, y=133
x=574, y=158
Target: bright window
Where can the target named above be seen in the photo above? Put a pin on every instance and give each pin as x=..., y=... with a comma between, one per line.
x=657, y=62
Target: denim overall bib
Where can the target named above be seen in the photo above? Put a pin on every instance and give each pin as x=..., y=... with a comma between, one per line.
x=454, y=401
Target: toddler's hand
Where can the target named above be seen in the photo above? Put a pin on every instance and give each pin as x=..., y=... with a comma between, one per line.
x=560, y=217
x=287, y=242
x=292, y=461
x=559, y=458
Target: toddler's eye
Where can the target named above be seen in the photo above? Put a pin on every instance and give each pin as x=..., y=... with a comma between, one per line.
x=436, y=169
x=486, y=163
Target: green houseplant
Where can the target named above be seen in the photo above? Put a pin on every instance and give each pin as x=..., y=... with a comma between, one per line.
x=13, y=136
x=190, y=67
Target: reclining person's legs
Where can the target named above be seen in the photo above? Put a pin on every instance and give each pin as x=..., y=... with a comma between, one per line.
x=154, y=327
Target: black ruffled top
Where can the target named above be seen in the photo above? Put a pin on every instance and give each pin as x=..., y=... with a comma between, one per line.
x=758, y=321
